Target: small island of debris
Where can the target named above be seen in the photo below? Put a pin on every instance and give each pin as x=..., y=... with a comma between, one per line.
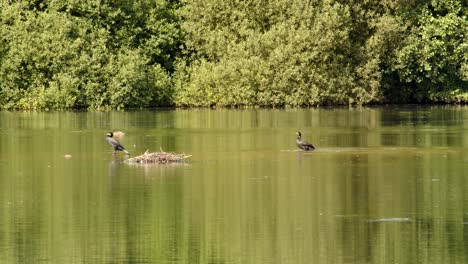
x=157, y=158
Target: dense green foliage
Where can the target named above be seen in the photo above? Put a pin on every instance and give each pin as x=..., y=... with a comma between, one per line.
x=297, y=53
x=95, y=54
x=433, y=60
x=62, y=54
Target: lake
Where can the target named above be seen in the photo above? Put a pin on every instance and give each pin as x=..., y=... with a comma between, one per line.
x=385, y=185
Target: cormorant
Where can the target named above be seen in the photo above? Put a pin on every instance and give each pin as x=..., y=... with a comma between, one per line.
x=303, y=144
x=115, y=144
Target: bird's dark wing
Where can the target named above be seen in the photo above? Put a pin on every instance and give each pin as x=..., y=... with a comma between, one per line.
x=307, y=146
x=120, y=147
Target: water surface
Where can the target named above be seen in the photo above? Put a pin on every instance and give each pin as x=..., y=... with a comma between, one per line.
x=385, y=185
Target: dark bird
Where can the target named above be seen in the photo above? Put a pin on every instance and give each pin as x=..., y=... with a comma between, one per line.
x=115, y=144
x=303, y=144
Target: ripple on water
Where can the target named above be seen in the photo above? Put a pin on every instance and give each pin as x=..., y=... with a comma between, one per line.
x=404, y=219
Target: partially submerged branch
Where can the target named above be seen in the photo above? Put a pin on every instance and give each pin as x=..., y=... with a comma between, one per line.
x=157, y=158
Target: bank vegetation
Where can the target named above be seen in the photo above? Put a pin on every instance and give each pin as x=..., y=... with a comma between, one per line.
x=102, y=54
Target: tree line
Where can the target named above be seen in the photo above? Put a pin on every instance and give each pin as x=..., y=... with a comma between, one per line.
x=103, y=54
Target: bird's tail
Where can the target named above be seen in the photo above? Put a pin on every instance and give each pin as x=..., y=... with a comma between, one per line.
x=126, y=152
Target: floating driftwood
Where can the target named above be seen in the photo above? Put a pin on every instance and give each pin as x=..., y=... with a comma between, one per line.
x=157, y=158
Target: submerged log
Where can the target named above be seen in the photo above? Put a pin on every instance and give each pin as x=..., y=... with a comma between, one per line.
x=157, y=158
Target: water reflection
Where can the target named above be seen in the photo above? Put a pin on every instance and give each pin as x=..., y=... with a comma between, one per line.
x=385, y=185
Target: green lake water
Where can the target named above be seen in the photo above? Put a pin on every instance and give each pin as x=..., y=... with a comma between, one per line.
x=385, y=185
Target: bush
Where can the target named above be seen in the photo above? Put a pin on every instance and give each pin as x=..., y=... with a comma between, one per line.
x=64, y=55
